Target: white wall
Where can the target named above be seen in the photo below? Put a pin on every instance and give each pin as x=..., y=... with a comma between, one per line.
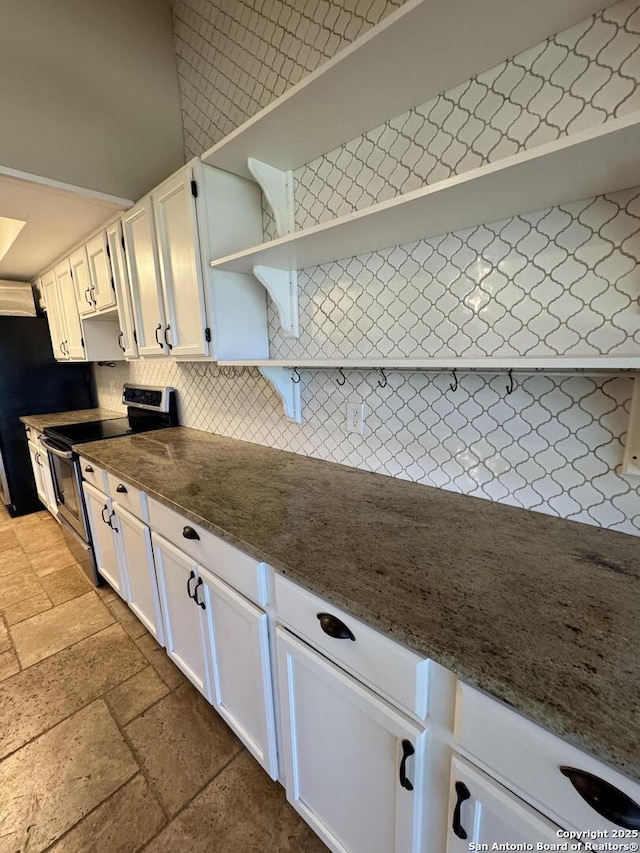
x=89, y=92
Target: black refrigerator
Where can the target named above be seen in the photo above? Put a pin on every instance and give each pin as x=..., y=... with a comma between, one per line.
x=32, y=382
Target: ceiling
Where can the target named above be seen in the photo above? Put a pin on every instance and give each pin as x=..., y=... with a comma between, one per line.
x=57, y=217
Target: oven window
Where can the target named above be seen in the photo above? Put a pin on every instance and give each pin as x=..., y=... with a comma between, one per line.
x=65, y=484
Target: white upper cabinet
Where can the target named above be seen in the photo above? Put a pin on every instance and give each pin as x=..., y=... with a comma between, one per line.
x=82, y=280
x=49, y=290
x=103, y=290
x=73, y=340
x=127, y=336
x=174, y=210
x=144, y=279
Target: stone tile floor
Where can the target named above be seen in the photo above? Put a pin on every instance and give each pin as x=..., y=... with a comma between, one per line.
x=104, y=745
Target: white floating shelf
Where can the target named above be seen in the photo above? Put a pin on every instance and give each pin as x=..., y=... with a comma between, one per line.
x=422, y=49
x=599, y=160
x=561, y=363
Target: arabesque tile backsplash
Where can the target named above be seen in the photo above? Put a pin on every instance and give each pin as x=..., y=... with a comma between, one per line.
x=562, y=281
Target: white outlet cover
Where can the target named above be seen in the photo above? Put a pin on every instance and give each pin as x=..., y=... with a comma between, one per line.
x=355, y=416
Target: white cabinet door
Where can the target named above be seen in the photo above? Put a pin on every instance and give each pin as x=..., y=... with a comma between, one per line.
x=49, y=291
x=37, y=463
x=178, y=246
x=144, y=279
x=47, y=480
x=103, y=292
x=481, y=811
x=184, y=622
x=243, y=690
x=74, y=343
x=82, y=281
x=127, y=337
x=101, y=518
x=354, y=765
x=137, y=565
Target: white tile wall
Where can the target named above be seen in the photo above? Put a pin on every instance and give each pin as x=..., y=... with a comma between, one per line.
x=559, y=281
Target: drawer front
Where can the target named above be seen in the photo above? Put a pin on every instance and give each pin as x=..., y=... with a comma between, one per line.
x=240, y=571
x=391, y=670
x=129, y=497
x=527, y=759
x=94, y=475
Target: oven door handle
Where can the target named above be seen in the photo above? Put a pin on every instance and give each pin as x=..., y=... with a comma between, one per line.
x=62, y=454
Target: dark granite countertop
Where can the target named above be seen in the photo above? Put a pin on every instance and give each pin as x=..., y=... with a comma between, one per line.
x=53, y=419
x=540, y=612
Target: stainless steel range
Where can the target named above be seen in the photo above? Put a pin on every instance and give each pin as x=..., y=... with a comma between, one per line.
x=148, y=408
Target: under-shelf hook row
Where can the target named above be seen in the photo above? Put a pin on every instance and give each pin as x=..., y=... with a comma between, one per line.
x=295, y=376
x=382, y=382
x=454, y=385
x=341, y=376
x=511, y=386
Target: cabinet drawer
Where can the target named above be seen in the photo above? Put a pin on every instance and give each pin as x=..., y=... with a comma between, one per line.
x=391, y=670
x=94, y=475
x=240, y=571
x=129, y=497
x=527, y=759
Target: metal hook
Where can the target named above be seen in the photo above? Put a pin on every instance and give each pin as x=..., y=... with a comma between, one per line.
x=344, y=378
x=454, y=385
x=295, y=376
x=511, y=386
x=383, y=377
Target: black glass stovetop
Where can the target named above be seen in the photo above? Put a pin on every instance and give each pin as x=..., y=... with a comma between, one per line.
x=70, y=434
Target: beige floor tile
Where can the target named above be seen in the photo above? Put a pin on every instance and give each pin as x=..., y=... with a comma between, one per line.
x=5, y=639
x=240, y=811
x=126, y=617
x=134, y=696
x=26, y=608
x=158, y=658
x=53, y=782
x=49, y=632
x=13, y=560
x=51, y=690
x=8, y=539
x=24, y=521
x=40, y=537
x=106, y=593
x=65, y=584
x=17, y=587
x=9, y=664
x=124, y=823
x=182, y=743
x=51, y=559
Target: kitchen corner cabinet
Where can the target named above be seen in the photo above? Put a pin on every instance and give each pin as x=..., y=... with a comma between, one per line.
x=136, y=554
x=484, y=812
x=180, y=306
x=74, y=341
x=182, y=603
x=103, y=296
x=49, y=290
x=101, y=521
x=354, y=765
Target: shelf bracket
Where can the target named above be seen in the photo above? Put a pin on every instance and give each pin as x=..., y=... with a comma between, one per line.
x=631, y=458
x=289, y=391
x=277, y=187
x=282, y=287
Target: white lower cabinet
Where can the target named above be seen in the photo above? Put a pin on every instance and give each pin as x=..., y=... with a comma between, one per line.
x=136, y=557
x=484, y=812
x=37, y=464
x=354, y=765
x=183, y=605
x=241, y=667
x=101, y=520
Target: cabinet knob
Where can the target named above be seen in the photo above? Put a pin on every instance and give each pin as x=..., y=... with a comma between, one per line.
x=334, y=627
x=121, y=489
x=462, y=794
x=190, y=533
x=609, y=802
x=89, y=469
x=407, y=751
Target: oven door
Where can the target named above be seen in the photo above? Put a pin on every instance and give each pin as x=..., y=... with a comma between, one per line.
x=65, y=472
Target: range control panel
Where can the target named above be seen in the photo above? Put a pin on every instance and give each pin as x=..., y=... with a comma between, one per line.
x=147, y=397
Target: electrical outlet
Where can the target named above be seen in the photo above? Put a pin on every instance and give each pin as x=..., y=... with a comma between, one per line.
x=355, y=416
